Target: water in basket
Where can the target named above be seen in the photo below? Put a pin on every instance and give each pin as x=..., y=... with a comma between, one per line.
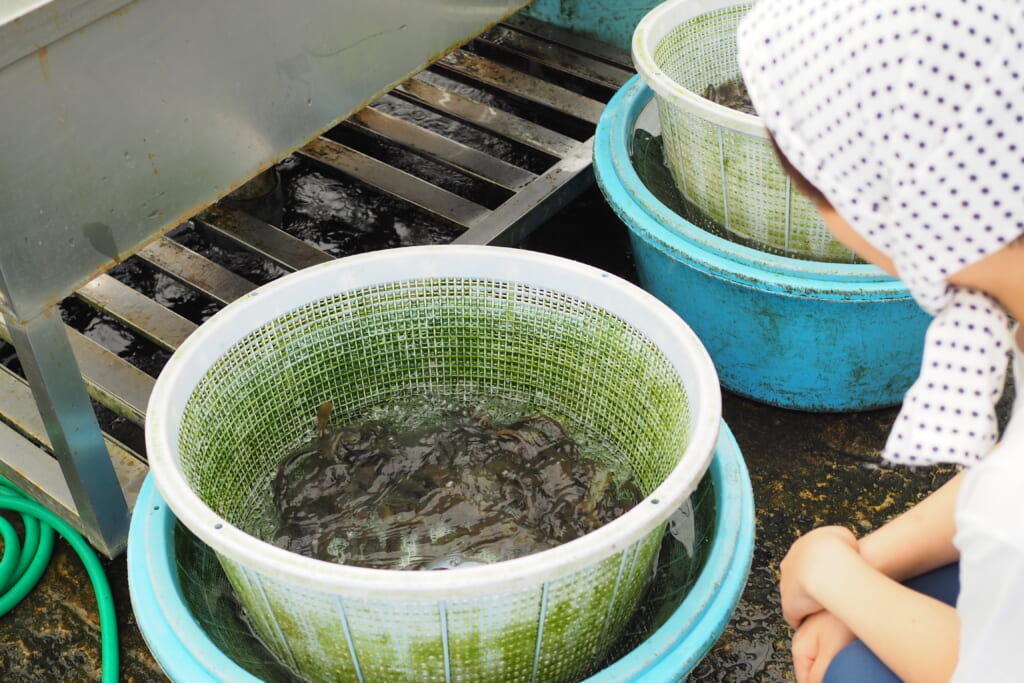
x=427, y=485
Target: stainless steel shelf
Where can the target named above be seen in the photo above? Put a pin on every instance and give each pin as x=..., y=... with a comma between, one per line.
x=537, y=88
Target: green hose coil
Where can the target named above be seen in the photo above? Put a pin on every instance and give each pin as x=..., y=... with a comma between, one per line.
x=23, y=564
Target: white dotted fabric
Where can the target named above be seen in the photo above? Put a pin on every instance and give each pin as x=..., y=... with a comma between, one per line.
x=909, y=117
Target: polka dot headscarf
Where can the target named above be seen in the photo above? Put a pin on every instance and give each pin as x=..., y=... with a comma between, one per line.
x=909, y=117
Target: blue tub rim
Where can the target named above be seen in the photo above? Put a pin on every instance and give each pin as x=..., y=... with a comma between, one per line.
x=630, y=198
x=667, y=655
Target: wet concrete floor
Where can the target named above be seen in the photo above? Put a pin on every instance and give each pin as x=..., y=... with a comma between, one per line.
x=806, y=470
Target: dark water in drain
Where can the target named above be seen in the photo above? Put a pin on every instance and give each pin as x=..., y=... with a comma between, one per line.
x=463, y=490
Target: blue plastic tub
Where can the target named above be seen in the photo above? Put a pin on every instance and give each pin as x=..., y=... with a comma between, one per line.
x=186, y=652
x=798, y=334
x=607, y=21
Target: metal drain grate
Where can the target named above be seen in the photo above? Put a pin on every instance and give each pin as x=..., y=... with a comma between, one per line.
x=483, y=146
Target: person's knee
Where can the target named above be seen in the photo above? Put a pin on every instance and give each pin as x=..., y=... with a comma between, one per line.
x=855, y=663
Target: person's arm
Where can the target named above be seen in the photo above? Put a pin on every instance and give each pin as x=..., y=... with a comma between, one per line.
x=917, y=541
x=920, y=539
x=914, y=635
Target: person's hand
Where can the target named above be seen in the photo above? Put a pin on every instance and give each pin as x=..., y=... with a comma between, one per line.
x=808, y=564
x=818, y=640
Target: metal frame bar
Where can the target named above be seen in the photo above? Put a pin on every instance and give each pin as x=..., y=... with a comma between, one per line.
x=194, y=270
x=530, y=88
x=496, y=121
x=396, y=183
x=71, y=426
x=447, y=151
x=556, y=57
x=261, y=238
x=511, y=222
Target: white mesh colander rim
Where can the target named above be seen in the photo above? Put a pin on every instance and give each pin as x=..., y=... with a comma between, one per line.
x=657, y=24
x=640, y=309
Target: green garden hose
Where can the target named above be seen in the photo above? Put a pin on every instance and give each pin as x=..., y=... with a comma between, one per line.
x=23, y=564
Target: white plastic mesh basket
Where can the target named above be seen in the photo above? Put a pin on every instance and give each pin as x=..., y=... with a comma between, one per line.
x=721, y=159
x=597, y=353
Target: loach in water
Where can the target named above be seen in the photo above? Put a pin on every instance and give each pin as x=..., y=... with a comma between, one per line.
x=459, y=493
x=731, y=93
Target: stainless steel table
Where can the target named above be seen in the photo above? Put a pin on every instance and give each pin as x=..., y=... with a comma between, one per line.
x=124, y=119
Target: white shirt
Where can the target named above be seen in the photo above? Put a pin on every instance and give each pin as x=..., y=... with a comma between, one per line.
x=990, y=537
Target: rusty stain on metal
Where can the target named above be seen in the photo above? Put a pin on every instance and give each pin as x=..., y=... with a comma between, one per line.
x=43, y=56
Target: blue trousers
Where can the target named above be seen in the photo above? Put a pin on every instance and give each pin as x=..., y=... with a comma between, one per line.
x=857, y=664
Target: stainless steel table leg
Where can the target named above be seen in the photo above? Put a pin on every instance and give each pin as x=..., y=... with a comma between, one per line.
x=52, y=372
